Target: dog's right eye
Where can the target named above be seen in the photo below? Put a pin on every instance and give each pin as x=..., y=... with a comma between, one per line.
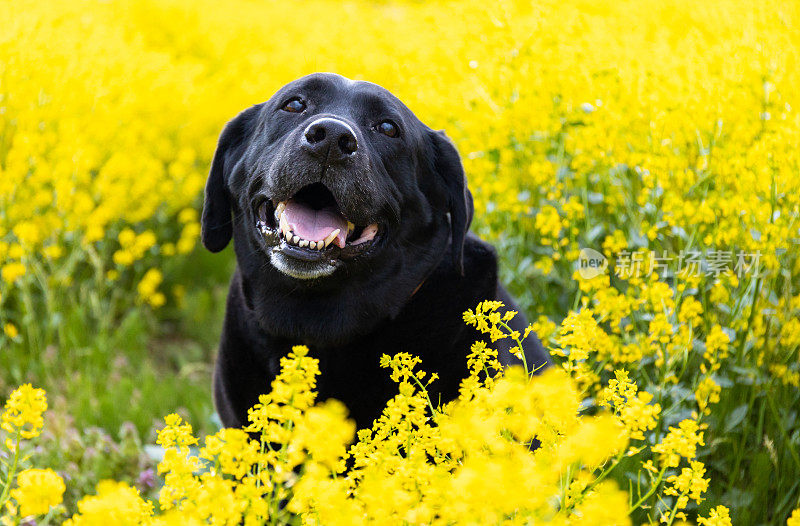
x=294, y=106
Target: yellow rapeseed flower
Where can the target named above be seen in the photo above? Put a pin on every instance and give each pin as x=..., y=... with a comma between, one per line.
x=23, y=411
x=680, y=442
x=707, y=393
x=719, y=516
x=37, y=491
x=690, y=484
x=115, y=503
x=10, y=330
x=10, y=272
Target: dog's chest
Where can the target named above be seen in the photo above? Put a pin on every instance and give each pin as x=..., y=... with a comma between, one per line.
x=352, y=373
x=433, y=331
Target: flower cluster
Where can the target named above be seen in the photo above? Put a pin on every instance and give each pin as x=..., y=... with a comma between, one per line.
x=419, y=463
x=633, y=408
x=23, y=411
x=37, y=491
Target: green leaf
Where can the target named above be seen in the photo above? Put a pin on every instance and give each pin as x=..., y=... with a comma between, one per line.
x=735, y=417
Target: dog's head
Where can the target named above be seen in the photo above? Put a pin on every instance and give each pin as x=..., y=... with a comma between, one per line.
x=334, y=189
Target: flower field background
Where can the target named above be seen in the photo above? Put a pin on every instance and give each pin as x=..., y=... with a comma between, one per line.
x=658, y=134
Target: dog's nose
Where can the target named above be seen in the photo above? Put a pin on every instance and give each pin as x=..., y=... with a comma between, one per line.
x=330, y=137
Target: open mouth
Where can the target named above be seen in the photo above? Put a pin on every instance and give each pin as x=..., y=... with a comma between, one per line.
x=311, y=227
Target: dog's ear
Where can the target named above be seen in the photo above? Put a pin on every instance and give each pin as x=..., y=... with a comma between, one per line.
x=447, y=164
x=217, y=227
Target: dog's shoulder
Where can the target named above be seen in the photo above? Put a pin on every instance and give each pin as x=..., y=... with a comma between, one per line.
x=449, y=289
x=479, y=255
x=480, y=263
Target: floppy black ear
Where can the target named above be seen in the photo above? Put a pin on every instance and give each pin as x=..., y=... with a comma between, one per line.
x=447, y=164
x=217, y=227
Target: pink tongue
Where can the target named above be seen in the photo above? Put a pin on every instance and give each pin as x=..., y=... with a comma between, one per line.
x=315, y=225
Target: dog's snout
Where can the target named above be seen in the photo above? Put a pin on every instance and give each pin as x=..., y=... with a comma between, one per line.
x=330, y=137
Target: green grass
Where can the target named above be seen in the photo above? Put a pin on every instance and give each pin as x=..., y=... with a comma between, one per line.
x=136, y=367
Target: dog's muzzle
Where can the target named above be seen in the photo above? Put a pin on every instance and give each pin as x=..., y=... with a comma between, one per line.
x=310, y=227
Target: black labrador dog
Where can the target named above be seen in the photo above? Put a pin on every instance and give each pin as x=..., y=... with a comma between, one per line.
x=350, y=223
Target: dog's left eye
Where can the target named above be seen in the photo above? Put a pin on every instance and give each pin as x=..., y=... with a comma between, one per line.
x=388, y=128
x=294, y=106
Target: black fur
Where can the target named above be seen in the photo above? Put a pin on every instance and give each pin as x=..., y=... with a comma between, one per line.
x=413, y=186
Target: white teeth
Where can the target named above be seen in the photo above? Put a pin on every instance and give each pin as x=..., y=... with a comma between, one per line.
x=280, y=208
x=294, y=239
x=331, y=237
x=287, y=233
x=367, y=235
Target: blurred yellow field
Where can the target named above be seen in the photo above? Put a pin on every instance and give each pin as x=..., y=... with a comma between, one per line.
x=655, y=141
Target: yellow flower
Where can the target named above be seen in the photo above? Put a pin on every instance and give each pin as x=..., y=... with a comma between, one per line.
x=631, y=407
x=37, y=491
x=717, y=343
x=402, y=365
x=127, y=237
x=601, y=506
x=680, y=442
x=115, y=503
x=691, y=311
x=329, y=420
x=292, y=393
x=176, y=434
x=148, y=288
x=619, y=390
x=707, y=393
x=23, y=411
x=548, y=223
x=233, y=450
x=10, y=272
x=123, y=257
x=11, y=330
x=542, y=327
x=53, y=251
x=790, y=333
x=719, y=516
x=689, y=484
x=786, y=375
x=187, y=215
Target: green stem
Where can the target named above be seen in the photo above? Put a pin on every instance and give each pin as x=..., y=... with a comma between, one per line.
x=427, y=397
x=519, y=344
x=787, y=439
x=675, y=509
x=11, y=472
x=606, y=471
x=653, y=487
x=741, y=449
